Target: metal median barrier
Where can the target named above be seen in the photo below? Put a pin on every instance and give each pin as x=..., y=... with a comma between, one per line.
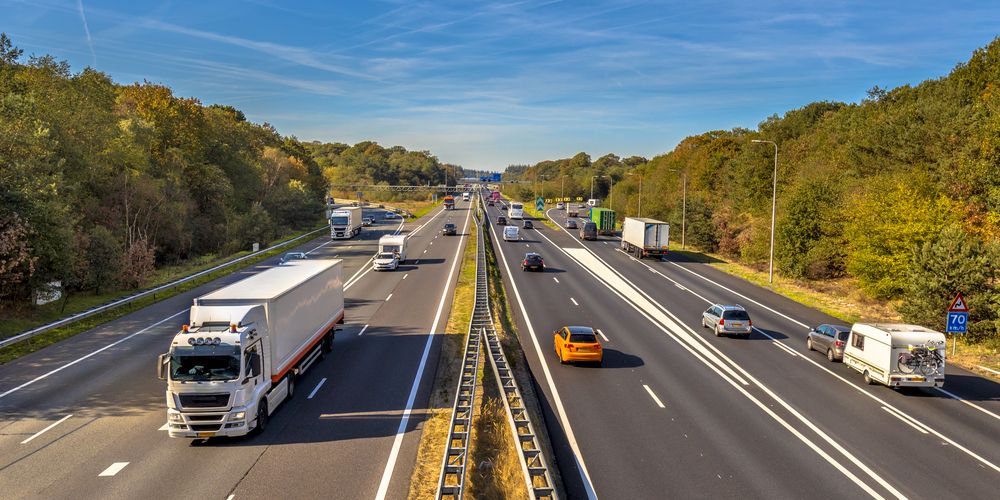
x=111, y=305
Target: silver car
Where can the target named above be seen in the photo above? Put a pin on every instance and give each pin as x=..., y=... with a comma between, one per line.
x=830, y=339
x=727, y=320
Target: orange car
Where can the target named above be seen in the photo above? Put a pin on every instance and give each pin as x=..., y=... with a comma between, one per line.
x=578, y=343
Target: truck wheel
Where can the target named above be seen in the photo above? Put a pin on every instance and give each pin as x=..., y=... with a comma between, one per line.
x=327, y=344
x=291, y=385
x=261, y=416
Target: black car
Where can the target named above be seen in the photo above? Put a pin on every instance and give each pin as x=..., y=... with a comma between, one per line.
x=449, y=229
x=528, y=224
x=502, y=220
x=532, y=261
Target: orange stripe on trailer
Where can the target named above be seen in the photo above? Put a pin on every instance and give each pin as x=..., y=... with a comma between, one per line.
x=320, y=334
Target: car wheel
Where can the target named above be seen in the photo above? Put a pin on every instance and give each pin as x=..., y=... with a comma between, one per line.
x=809, y=343
x=717, y=332
x=868, y=378
x=261, y=417
x=829, y=355
x=562, y=359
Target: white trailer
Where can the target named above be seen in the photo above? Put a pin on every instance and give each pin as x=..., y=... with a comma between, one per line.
x=345, y=223
x=238, y=357
x=391, y=252
x=645, y=237
x=897, y=355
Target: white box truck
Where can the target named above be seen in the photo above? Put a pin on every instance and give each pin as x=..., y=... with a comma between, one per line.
x=238, y=357
x=897, y=355
x=345, y=223
x=645, y=237
x=391, y=252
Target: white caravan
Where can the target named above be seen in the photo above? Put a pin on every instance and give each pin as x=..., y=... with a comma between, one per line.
x=897, y=355
x=391, y=253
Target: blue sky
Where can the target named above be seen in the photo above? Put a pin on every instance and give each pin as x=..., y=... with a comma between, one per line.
x=487, y=84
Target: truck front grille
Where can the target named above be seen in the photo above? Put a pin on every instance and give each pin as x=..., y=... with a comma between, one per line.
x=205, y=428
x=204, y=400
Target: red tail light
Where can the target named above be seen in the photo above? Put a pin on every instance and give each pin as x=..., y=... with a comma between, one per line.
x=722, y=322
x=597, y=347
x=525, y=262
x=839, y=343
x=750, y=323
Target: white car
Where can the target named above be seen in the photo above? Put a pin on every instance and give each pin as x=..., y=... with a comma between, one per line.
x=560, y=206
x=511, y=233
x=385, y=261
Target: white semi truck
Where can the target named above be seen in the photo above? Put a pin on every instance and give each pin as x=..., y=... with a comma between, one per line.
x=645, y=237
x=238, y=357
x=345, y=223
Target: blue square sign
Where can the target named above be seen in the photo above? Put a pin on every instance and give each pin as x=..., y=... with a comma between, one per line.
x=957, y=322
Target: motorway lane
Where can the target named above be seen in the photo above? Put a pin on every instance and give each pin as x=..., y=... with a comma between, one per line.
x=691, y=439
x=811, y=385
x=117, y=406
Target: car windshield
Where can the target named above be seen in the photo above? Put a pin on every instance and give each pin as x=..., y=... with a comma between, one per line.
x=533, y=258
x=582, y=338
x=736, y=315
x=204, y=363
x=449, y=226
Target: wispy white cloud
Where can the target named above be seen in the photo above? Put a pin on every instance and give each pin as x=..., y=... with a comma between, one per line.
x=86, y=31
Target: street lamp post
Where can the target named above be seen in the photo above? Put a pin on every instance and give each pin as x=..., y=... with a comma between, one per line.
x=640, y=192
x=592, y=185
x=774, y=207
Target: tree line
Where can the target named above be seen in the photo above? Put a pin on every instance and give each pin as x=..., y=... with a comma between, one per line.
x=899, y=192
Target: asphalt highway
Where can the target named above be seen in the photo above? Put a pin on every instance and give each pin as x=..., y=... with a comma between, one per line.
x=85, y=418
x=676, y=411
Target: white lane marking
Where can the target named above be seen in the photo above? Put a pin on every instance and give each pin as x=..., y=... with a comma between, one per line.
x=115, y=468
x=527, y=245
x=383, y=487
x=603, y=336
x=783, y=347
x=77, y=360
x=362, y=332
x=957, y=398
x=555, y=279
x=230, y=497
x=432, y=241
x=904, y=419
x=164, y=427
x=425, y=251
x=981, y=367
x=574, y=301
x=406, y=275
x=320, y=384
x=389, y=297
x=605, y=242
x=560, y=410
x=43, y=431
x=652, y=395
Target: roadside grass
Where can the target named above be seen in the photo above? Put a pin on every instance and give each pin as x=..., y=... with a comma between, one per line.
x=165, y=275
x=430, y=450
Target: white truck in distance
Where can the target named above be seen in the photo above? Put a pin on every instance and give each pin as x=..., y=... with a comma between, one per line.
x=238, y=357
x=466, y=196
x=391, y=253
x=897, y=355
x=345, y=223
x=645, y=237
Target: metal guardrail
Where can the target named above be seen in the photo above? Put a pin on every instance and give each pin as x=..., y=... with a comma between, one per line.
x=451, y=482
x=111, y=305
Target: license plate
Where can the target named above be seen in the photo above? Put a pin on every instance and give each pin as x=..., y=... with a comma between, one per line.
x=206, y=434
x=737, y=325
x=917, y=379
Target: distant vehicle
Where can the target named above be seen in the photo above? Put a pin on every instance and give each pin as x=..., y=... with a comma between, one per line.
x=578, y=343
x=367, y=221
x=495, y=195
x=572, y=211
x=390, y=216
x=466, y=196
x=830, y=339
x=449, y=202
x=449, y=229
x=290, y=256
x=528, y=224
x=391, y=253
x=355, y=204
x=645, y=237
x=593, y=202
x=897, y=355
x=560, y=206
x=605, y=220
x=570, y=224
x=345, y=223
x=511, y=233
x=490, y=203
x=237, y=359
x=501, y=220
x=516, y=210
x=533, y=261
x=588, y=231
x=727, y=320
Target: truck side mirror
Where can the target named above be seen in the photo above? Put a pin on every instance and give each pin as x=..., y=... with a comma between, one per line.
x=161, y=366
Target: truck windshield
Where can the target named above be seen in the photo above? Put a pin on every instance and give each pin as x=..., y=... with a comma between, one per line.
x=339, y=220
x=202, y=363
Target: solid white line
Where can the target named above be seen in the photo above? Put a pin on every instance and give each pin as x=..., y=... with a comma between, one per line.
x=603, y=336
x=560, y=410
x=77, y=360
x=957, y=398
x=655, y=399
x=389, y=297
x=362, y=332
x=320, y=384
x=39, y=433
x=907, y=422
x=115, y=468
x=574, y=301
x=383, y=487
x=555, y=279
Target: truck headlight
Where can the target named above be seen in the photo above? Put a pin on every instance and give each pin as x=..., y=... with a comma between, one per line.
x=237, y=415
x=174, y=417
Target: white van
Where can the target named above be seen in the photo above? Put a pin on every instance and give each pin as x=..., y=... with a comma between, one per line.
x=511, y=233
x=897, y=355
x=391, y=253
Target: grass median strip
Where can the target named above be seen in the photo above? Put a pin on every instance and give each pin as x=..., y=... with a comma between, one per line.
x=50, y=337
